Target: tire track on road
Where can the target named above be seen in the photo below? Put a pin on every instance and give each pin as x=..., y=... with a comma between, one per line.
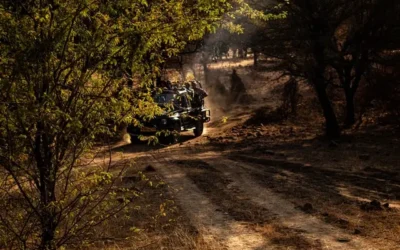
x=309, y=226
x=205, y=215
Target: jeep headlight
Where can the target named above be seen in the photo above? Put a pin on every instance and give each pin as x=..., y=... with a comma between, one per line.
x=164, y=121
x=174, y=116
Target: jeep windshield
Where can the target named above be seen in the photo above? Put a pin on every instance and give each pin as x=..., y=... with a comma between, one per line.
x=166, y=100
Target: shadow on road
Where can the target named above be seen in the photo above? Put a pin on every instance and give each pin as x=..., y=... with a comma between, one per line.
x=138, y=146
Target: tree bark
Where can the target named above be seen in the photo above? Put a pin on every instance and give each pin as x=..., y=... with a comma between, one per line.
x=350, y=111
x=350, y=87
x=332, y=129
x=48, y=231
x=47, y=180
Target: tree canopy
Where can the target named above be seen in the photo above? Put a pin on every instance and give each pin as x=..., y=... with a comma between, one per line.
x=62, y=85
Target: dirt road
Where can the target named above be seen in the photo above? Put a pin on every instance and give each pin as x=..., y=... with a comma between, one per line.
x=233, y=195
x=227, y=204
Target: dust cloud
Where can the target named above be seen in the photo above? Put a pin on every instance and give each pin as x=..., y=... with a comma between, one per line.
x=260, y=87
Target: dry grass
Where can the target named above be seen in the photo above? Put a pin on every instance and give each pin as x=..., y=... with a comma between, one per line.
x=179, y=238
x=153, y=220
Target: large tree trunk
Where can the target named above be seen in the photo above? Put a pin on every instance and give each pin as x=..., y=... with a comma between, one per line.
x=350, y=82
x=47, y=180
x=48, y=230
x=332, y=129
x=318, y=80
x=350, y=113
x=350, y=89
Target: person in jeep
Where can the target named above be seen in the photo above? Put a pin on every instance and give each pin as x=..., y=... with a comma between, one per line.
x=198, y=94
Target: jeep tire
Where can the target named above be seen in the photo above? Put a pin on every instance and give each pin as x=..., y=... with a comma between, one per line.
x=198, y=131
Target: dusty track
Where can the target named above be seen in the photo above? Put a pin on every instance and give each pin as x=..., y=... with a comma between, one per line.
x=227, y=201
x=212, y=218
x=308, y=226
x=206, y=216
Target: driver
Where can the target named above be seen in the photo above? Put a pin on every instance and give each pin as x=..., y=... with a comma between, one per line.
x=198, y=95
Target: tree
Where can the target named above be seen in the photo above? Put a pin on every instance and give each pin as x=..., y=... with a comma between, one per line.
x=327, y=42
x=366, y=29
x=300, y=41
x=61, y=85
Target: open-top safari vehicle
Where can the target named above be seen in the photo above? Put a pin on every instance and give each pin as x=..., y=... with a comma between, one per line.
x=181, y=114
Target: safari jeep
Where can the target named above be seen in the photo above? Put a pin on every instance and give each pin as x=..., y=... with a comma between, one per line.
x=179, y=116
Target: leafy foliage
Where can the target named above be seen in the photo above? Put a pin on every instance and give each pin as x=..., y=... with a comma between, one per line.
x=63, y=80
